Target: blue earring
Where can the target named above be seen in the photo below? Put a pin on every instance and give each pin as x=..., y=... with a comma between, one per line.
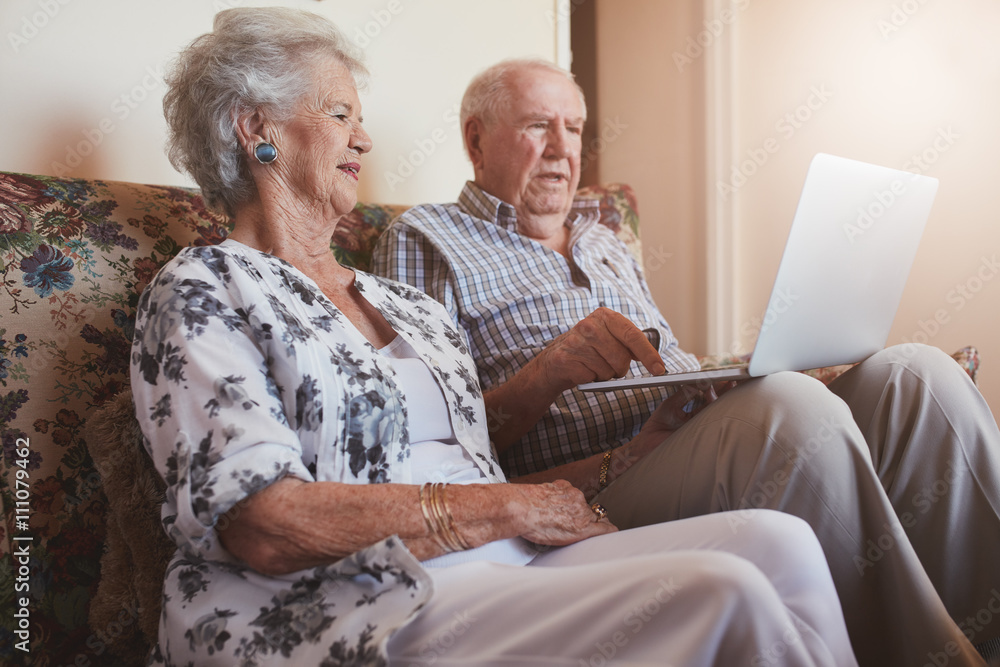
x=265, y=153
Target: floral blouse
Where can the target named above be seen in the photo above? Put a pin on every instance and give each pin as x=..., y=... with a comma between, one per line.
x=244, y=372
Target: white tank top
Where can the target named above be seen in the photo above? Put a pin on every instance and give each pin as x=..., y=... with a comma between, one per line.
x=435, y=455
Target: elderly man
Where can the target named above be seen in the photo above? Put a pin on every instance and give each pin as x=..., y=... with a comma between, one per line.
x=896, y=466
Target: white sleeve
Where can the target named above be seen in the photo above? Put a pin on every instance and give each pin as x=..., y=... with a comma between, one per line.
x=211, y=412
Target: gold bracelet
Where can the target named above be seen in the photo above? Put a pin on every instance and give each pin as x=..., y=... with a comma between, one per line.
x=437, y=516
x=440, y=519
x=448, y=531
x=425, y=502
x=602, y=478
x=461, y=541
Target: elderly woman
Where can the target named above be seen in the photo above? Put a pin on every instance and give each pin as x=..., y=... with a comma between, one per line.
x=331, y=486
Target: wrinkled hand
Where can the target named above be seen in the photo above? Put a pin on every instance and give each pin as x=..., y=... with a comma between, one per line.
x=600, y=347
x=557, y=514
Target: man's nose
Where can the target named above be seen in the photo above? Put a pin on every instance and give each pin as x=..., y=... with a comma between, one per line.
x=560, y=143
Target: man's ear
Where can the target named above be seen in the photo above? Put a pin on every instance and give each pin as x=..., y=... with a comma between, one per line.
x=473, y=134
x=250, y=130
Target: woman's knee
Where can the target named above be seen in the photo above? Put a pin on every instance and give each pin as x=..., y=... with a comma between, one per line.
x=775, y=527
x=726, y=582
x=782, y=544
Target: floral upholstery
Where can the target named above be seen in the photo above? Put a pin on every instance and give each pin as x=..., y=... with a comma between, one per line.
x=967, y=357
x=74, y=257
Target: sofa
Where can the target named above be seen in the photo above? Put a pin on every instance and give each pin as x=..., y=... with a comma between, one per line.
x=74, y=257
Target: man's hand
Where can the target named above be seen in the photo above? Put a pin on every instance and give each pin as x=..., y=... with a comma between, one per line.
x=685, y=403
x=675, y=411
x=600, y=347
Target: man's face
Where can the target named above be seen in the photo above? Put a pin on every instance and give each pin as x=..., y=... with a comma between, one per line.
x=530, y=156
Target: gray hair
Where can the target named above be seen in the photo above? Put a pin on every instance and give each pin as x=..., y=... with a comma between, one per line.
x=488, y=94
x=255, y=58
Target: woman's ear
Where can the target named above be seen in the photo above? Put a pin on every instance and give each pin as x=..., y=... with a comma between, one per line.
x=251, y=129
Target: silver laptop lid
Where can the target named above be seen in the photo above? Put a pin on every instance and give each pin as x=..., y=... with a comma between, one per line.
x=848, y=255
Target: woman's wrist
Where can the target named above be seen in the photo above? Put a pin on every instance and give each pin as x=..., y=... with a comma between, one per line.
x=439, y=519
x=487, y=512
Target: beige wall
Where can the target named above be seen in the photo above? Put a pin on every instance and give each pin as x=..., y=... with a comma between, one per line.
x=896, y=79
x=906, y=78
x=652, y=113
x=910, y=84
x=82, y=82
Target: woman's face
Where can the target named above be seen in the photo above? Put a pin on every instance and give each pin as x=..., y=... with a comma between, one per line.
x=320, y=146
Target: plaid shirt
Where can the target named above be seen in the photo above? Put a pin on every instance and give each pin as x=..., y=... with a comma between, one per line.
x=512, y=297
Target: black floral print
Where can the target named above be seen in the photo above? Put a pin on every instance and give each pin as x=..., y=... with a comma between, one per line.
x=244, y=372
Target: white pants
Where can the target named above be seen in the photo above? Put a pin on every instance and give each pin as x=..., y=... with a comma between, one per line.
x=688, y=593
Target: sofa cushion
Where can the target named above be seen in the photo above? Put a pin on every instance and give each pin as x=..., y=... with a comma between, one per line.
x=136, y=549
x=74, y=256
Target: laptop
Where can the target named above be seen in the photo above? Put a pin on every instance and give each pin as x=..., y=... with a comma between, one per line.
x=852, y=242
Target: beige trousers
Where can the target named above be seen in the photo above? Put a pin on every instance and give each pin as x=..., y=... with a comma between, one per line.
x=896, y=466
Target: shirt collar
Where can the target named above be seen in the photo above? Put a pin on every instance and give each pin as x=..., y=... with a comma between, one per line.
x=478, y=203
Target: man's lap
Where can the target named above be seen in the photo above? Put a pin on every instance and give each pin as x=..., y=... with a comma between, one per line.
x=740, y=451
